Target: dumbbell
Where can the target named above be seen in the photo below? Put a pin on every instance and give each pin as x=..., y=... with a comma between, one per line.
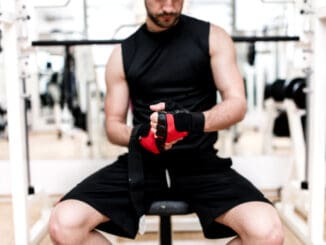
x=276, y=90
x=291, y=89
x=295, y=91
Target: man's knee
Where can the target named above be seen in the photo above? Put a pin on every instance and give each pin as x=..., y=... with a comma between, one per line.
x=271, y=233
x=65, y=227
x=268, y=233
x=255, y=223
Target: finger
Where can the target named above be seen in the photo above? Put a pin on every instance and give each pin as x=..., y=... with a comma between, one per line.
x=158, y=107
x=167, y=147
x=154, y=132
x=153, y=125
x=154, y=117
x=174, y=142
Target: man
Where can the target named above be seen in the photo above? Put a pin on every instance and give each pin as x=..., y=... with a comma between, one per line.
x=170, y=69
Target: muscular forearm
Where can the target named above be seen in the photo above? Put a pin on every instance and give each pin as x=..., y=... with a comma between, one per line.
x=224, y=114
x=118, y=133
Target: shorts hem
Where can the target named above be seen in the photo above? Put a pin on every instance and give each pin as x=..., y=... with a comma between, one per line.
x=114, y=221
x=223, y=231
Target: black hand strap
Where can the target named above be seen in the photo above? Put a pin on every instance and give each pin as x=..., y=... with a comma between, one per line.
x=136, y=172
x=161, y=131
x=192, y=122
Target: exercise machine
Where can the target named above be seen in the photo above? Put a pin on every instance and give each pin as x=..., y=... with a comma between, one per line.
x=13, y=18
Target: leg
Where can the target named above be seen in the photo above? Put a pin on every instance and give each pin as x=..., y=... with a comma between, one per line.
x=255, y=223
x=73, y=222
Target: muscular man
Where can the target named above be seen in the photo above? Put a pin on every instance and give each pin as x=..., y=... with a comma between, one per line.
x=170, y=70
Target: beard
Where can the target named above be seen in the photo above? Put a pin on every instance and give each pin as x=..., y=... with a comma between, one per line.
x=164, y=20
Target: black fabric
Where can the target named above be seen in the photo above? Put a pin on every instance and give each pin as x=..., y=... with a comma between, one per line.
x=161, y=131
x=142, y=130
x=108, y=190
x=192, y=122
x=173, y=65
x=136, y=171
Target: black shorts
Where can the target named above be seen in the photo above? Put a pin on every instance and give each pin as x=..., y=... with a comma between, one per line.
x=206, y=182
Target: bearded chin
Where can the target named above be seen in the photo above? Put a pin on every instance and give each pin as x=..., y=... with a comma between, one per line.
x=157, y=22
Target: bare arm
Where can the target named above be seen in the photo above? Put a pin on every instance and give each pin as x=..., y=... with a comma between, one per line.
x=116, y=100
x=228, y=81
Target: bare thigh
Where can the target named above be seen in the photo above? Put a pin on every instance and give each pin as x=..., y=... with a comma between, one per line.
x=250, y=217
x=76, y=213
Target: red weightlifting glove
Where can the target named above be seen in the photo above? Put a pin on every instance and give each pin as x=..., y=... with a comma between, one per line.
x=175, y=126
x=172, y=133
x=147, y=140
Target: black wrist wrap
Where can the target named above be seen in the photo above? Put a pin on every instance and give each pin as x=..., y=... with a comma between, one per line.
x=192, y=122
x=161, y=131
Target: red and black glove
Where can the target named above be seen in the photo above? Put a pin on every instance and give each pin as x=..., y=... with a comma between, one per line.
x=147, y=140
x=173, y=126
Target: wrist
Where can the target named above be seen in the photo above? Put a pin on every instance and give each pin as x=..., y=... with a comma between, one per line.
x=192, y=122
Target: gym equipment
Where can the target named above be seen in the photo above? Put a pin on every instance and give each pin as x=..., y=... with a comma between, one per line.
x=251, y=54
x=280, y=90
x=292, y=89
x=281, y=125
x=277, y=90
x=295, y=90
x=165, y=209
x=306, y=188
x=26, y=102
x=249, y=39
x=17, y=129
x=316, y=125
x=3, y=113
x=68, y=92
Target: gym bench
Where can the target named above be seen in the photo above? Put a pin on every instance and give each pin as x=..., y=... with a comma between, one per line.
x=165, y=209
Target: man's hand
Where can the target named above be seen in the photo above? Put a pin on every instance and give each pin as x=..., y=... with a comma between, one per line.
x=154, y=126
x=172, y=126
x=147, y=134
x=147, y=139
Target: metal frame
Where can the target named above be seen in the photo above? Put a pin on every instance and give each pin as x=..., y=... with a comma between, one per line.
x=316, y=136
x=17, y=134
x=116, y=41
x=311, y=232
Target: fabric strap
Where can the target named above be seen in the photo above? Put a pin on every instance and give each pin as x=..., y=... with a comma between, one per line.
x=136, y=173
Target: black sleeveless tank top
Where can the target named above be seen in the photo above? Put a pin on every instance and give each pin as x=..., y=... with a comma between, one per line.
x=172, y=65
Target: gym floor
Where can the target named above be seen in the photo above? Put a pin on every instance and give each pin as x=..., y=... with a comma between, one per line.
x=73, y=147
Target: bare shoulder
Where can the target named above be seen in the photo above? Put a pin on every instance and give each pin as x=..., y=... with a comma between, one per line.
x=114, y=66
x=219, y=40
x=115, y=56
